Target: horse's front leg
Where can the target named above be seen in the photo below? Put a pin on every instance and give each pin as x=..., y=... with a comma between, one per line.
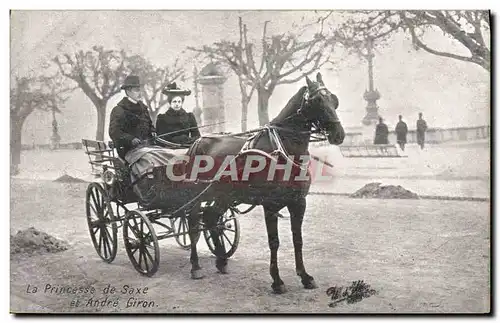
x=194, y=235
x=278, y=285
x=211, y=218
x=297, y=209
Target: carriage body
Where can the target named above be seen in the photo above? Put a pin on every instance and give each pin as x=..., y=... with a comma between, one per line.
x=113, y=200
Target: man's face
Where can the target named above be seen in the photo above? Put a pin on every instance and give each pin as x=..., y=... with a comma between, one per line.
x=135, y=93
x=176, y=103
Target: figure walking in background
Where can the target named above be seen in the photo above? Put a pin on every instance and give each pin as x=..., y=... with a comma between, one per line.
x=401, y=132
x=181, y=124
x=381, y=133
x=421, y=128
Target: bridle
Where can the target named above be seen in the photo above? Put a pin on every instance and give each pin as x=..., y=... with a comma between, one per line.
x=305, y=102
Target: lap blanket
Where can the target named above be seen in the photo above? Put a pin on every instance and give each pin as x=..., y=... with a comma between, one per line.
x=145, y=159
x=154, y=190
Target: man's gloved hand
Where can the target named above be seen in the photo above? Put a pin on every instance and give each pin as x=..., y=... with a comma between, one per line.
x=154, y=135
x=136, y=142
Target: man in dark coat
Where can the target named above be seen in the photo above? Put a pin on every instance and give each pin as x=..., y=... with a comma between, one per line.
x=176, y=125
x=421, y=128
x=401, y=132
x=381, y=133
x=130, y=124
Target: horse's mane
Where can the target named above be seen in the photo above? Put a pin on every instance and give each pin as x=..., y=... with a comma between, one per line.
x=292, y=105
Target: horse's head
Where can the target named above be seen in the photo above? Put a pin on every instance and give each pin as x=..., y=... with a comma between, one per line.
x=319, y=107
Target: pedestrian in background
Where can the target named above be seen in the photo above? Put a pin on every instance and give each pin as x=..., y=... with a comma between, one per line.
x=381, y=133
x=421, y=128
x=401, y=132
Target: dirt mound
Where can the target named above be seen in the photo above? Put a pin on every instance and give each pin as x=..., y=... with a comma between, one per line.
x=377, y=190
x=68, y=179
x=31, y=241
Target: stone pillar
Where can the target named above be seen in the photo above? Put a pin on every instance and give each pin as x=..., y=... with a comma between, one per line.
x=212, y=81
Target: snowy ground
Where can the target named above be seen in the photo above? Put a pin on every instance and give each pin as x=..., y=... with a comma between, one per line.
x=420, y=256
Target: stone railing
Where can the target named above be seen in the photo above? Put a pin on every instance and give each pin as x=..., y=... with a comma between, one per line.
x=432, y=135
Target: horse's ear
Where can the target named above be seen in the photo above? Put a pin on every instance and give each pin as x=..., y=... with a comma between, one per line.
x=319, y=78
x=310, y=84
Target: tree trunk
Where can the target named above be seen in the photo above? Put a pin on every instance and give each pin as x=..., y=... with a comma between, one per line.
x=154, y=115
x=101, y=121
x=16, y=127
x=244, y=114
x=263, y=103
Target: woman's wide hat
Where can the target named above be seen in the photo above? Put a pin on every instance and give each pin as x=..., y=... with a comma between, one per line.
x=172, y=90
x=131, y=81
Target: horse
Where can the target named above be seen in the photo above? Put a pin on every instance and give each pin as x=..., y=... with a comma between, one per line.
x=312, y=107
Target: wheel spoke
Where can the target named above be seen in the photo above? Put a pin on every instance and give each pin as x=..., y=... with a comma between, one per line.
x=184, y=236
x=145, y=260
x=109, y=240
x=94, y=209
x=96, y=201
x=140, y=257
x=105, y=244
x=231, y=230
x=135, y=230
x=229, y=241
x=146, y=251
x=100, y=240
x=221, y=242
x=148, y=254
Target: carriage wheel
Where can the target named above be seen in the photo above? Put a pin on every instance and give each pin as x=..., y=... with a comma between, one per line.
x=141, y=243
x=228, y=228
x=102, y=222
x=181, y=225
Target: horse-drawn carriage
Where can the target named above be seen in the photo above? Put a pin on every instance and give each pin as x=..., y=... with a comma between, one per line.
x=112, y=202
x=209, y=203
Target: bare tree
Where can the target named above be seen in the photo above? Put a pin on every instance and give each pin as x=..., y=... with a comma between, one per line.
x=155, y=79
x=284, y=59
x=470, y=29
x=26, y=95
x=465, y=27
x=99, y=73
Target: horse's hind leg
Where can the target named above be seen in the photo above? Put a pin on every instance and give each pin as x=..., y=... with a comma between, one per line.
x=297, y=209
x=194, y=234
x=278, y=285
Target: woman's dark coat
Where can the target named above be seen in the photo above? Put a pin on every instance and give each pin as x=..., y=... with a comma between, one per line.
x=381, y=134
x=401, y=131
x=128, y=121
x=181, y=122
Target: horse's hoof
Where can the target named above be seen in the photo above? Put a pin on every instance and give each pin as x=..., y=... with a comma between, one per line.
x=310, y=284
x=222, y=270
x=280, y=289
x=197, y=274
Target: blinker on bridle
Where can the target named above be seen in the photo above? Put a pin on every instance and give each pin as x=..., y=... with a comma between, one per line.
x=306, y=98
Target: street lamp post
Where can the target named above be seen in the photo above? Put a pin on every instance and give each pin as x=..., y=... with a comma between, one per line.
x=55, y=139
x=371, y=96
x=197, y=110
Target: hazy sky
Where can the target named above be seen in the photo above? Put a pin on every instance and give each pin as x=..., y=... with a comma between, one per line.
x=449, y=93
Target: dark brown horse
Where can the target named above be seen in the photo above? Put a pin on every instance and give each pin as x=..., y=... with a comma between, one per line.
x=312, y=107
